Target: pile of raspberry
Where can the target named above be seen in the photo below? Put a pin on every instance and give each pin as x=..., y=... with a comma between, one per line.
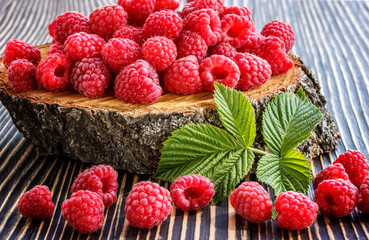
x=144, y=48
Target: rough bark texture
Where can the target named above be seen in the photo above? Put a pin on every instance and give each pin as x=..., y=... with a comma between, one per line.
x=130, y=136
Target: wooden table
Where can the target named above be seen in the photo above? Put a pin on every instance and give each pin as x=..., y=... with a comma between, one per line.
x=332, y=38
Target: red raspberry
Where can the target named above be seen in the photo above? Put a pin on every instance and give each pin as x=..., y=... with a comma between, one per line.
x=16, y=49
x=105, y=20
x=273, y=50
x=84, y=211
x=147, y=205
x=206, y=23
x=216, y=5
x=251, y=42
x=138, y=10
x=190, y=43
x=21, y=75
x=224, y=49
x=160, y=52
x=355, y=165
x=240, y=11
x=91, y=77
x=36, y=203
x=67, y=24
x=138, y=83
x=295, y=210
x=83, y=45
x=165, y=23
x=183, y=77
x=56, y=48
x=119, y=52
x=363, y=202
x=133, y=33
x=236, y=29
x=280, y=30
x=53, y=72
x=166, y=4
x=255, y=71
x=333, y=171
x=252, y=202
x=336, y=197
x=221, y=69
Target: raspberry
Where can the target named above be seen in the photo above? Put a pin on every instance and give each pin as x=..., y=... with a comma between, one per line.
x=160, y=52
x=236, y=29
x=251, y=42
x=221, y=69
x=252, y=202
x=183, y=77
x=16, y=49
x=53, y=72
x=138, y=10
x=333, y=171
x=147, y=205
x=280, y=30
x=56, y=48
x=105, y=20
x=166, y=4
x=165, y=23
x=273, y=50
x=191, y=192
x=84, y=211
x=295, y=210
x=224, y=49
x=135, y=34
x=67, y=24
x=216, y=5
x=138, y=83
x=21, y=75
x=83, y=45
x=119, y=52
x=336, y=197
x=36, y=203
x=355, y=164
x=363, y=202
x=206, y=23
x=240, y=11
x=255, y=71
x=91, y=77
x=190, y=43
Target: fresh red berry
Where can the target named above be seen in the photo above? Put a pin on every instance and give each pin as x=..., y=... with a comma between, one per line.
x=67, y=24
x=191, y=192
x=105, y=20
x=147, y=205
x=133, y=33
x=90, y=77
x=355, y=164
x=295, y=210
x=240, y=11
x=363, y=202
x=160, y=52
x=221, y=69
x=138, y=83
x=252, y=202
x=206, y=23
x=216, y=5
x=119, y=52
x=236, y=29
x=56, y=48
x=336, y=197
x=190, y=43
x=166, y=4
x=16, y=49
x=280, y=30
x=224, y=49
x=333, y=171
x=255, y=71
x=84, y=211
x=36, y=203
x=22, y=76
x=274, y=51
x=251, y=42
x=83, y=45
x=138, y=10
x=53, y=72
x=165, y=23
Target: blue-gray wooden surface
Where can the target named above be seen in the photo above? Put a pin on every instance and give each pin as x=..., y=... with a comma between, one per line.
x=332, y=39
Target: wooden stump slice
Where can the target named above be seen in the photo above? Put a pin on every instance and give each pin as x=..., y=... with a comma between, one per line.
x=129, y=136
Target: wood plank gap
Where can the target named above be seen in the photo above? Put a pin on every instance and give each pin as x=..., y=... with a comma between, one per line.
x=15, y=149
x=126, y=223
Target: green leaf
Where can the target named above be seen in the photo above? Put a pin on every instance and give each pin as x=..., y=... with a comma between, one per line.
x=236, y=113
x=288, y=173
x=287, y=121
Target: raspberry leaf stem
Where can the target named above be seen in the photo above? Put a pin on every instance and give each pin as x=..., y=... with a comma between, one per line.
x=258, y=151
